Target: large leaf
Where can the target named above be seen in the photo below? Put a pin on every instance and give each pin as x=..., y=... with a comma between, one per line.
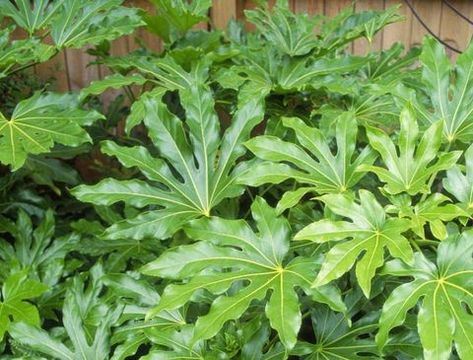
x=87, y=322
x=38, y=123
x=195, y=170
x=452, y=104
x=410, y=166
x=291, y=34
x=256, y=262
x=314, y=164
x=17, y=291
x=335, y=339
x=78, y=23
x=370, y=232
x=35, y=251
x=30, y=15
x=446, y=289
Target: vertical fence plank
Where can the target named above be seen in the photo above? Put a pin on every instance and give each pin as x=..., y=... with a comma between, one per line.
x=55, y=70
x=362, y=46
x=454, y=30
x=429, y=11
x=222, y=12
x=312, y=7
x=400, y=31
x=78, y=71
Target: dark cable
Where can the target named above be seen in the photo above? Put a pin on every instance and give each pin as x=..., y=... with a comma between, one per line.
x=409, y=4
x=457, y=11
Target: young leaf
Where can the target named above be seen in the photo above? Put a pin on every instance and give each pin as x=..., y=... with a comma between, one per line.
x=41, y=121
x=327, y=173
x=336, y=339
x=256, y=261
x=446, y=288
x=35, y=251
x=88, y=336
x=370, y=232
x=434, y=212
x=203, y=179
x=411, y=170
x=16, y=291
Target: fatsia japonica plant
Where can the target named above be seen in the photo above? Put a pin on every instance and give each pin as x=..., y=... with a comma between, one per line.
x=258, y=194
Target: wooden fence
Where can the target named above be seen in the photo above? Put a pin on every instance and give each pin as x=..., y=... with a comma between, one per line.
x=71, y=71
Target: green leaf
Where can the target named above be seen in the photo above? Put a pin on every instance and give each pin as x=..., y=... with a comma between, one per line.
x=417, y=161
x=336, y=339
x=176, y=17
x=38, y=123
x=31, y=18
x=20, y=52
x=114, y=81
x=432, y=211
x=291, y=34
x=195, y=170
x=80, y=23
x=370, y=232
x=89, y=337
x=452, y=103
x=446, y=289
x=313, y=162
x=36, y=251
x=260, y=261
x=14, y=305
x=179, y=344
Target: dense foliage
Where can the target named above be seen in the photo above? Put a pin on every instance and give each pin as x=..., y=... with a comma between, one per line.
x=254, y=194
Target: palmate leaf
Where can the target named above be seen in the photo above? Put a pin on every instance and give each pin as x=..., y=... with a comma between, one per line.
x=370, y=232
x=336, y=340
x=179, y=344
x=87, y=320
x=314, y=164
x=461, y=185
x=78, y=23
x=203, y=159
x=446, y=289
x=30, y=15
x=410, y=169
x=450, y=89
x=17, y=291
x=139, y=297
x=292, y=34
x=255, y=261
x=36, y=251
x=39, y=122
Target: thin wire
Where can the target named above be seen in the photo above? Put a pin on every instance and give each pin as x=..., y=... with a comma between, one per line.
x=409, y=4
x=457, y=11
